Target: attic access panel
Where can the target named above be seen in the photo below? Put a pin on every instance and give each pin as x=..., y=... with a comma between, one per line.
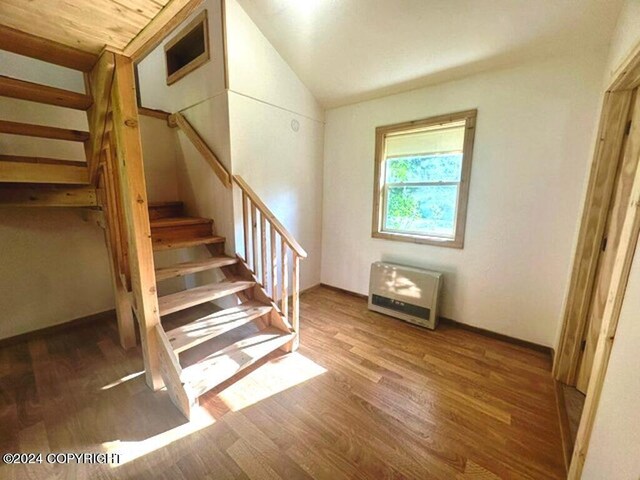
x=188, y=50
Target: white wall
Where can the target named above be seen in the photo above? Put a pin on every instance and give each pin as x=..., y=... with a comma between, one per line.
x=249, y=129
x=54, y=269
x=160, y=159
x=282, y=165
x=614, y=450
x=205, y=82
x=625, y=38
x=258, y=71
x=533, y=143
x=201, y=97
x=285, y=168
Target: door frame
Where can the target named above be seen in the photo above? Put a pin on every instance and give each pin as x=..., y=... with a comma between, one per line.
x=614, y=121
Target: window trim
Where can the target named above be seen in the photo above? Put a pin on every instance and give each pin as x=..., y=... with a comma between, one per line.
x=379, y=187
x=200, y=19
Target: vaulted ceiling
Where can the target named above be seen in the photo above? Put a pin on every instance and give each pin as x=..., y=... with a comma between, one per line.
x=349, y=50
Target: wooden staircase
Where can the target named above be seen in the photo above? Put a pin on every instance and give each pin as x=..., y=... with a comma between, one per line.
x=193, y=357
x=222, y=351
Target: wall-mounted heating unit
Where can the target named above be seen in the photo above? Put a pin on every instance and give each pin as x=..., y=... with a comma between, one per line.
x=408, y=293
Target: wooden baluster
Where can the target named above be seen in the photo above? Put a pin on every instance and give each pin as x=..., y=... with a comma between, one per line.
x=284, y=300
x=254, y=226
x=263, y=250
x=274, y=263
x=295, y=299
x=245, y=225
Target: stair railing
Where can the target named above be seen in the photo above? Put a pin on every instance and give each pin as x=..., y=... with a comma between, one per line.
x=263, y=232
x=178, y=120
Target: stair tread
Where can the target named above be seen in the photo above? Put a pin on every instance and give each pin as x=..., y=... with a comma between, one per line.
x=187, y=268
x=42, y=131
x=223, y=364
x=34, y=92
x=215, y=324
x=25, y=172
x=178, y=221
x=42, y=160
x=204, y=293
x=172, y=203
x=187, y=242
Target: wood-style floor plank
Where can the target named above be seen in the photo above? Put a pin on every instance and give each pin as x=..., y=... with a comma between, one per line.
x=365, y=397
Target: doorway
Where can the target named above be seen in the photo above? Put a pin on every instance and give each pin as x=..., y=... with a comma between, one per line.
x=619, y=201
x=609, y=232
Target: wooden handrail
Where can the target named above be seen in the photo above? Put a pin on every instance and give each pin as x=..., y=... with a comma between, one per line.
x=268, y=214
x=178, y=120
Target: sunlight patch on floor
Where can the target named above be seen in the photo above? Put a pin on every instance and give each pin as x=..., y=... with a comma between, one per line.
x=122, y=380
x=270, y=379
x=130, y=451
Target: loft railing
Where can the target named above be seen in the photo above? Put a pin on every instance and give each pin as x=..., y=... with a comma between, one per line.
x=263, y=233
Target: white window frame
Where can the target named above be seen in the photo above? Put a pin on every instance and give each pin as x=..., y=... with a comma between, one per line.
x=381, y=187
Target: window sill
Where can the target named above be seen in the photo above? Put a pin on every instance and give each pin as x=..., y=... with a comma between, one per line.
x=434, y=241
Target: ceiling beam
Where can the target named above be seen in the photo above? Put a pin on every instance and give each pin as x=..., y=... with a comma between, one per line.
x=23, y=43
x=172, y=15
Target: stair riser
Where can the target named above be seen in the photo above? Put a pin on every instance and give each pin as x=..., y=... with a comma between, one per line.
x=194, y=267
x=225, y=365
x=182, y=342
x=211, y=242
x=181, y=232
x=207, y=293
x=165, y=211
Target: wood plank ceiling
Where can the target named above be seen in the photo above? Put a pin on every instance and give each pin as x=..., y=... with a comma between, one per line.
x=88, y=25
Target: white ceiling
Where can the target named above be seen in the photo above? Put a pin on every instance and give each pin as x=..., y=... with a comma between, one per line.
x=350, y=50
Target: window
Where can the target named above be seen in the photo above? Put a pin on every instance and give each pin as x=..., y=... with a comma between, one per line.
x=422, y=175
x=188, y=50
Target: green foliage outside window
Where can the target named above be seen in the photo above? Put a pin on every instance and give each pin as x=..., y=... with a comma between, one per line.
x=428, y=209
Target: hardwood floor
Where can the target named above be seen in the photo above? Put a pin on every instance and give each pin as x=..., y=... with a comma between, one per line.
x=365, y=397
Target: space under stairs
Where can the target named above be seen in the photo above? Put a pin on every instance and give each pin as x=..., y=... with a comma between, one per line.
x=259, y=287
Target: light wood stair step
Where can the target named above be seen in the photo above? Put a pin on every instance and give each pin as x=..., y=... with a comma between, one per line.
x=205, y=293
x=221, y=365
x=42, y=131
x=159, y=210
x=24, y=172
x=34, y=92
x=159, y=245
x=187, y=268
x=215, y=324
x=179, y=222
x=42, y=160
x=179, y=228
x=38, y=195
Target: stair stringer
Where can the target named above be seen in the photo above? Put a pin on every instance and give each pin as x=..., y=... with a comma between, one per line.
x=275, y=317
x=171, y=371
